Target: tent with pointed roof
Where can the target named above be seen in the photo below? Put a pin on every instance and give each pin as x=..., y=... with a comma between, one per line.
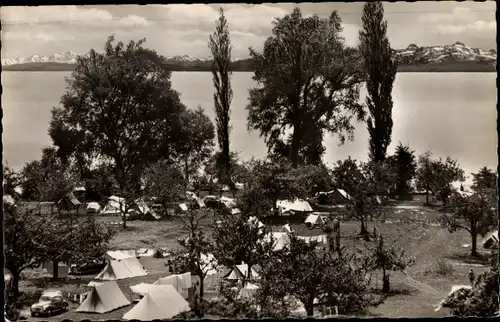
x=69, y=201
x=121, y=269
x=144, y=211
x=491, y=241
x=181, y=283
x=241, y=271
x=114, y=206
x=315, y=219
x=93, y=207
x=103, y=298
x=298, y=205
x=158, y=304
x=120, y=254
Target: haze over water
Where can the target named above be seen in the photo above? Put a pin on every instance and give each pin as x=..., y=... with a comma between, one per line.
x=451, y=114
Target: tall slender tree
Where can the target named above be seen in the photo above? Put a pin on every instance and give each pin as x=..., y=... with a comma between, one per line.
x=380, y=70
x=220, y=46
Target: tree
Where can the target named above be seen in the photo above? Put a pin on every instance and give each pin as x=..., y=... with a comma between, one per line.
x=195, y=142
x=194, y=255
x=343, y=173
x=119, y=109
x=216, y=172
x=23, y=233
x=405, y=165
x=474, y=213
x=380, y=68
x=165, y=182
x=308, y=83
x=388, y=258
x=100, y=182
x=484, y=179
x=436, y=176
x=220, y=46
x=10, y=181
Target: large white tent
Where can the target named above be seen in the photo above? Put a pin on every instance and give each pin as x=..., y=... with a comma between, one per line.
x=121, y=269
x=285, y=206
x=104, y=297
x=181, y=283
x=241, y=271
x=315, y=219
x=144, y=210
x=114, y=206
x=120, y=254
x=93, y=207
x=159, y=303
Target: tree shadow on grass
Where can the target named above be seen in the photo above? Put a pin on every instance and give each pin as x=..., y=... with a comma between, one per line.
x=466, y=258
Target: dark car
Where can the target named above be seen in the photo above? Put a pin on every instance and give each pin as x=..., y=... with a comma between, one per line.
x=213, y=202
x=93, y=267
x=49, y=303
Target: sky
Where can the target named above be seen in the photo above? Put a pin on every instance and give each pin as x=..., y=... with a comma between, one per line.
x=184, y=29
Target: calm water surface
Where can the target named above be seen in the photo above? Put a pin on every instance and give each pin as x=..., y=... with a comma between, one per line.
x=449, y=113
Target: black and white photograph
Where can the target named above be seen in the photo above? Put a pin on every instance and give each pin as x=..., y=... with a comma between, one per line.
x=255, y=161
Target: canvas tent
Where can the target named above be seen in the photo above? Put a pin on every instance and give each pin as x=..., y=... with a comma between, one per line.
x=121, y=269
x=114, y=206
x=181, y=283
x=143, y=288
x=191, y=196
x=158, y=304
x=287, y=228
x=337, y=196
x=491, y=241
x=140, y=207
x=241, y=271
x=93, y=207
x=228, y=202
x=8, y=200
x=280, y=240
x=285, y=206
x=68, y=202
x=120, y=254
x=315, y=219
x=103, y=298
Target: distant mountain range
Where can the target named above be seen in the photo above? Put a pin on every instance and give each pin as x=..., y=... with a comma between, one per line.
x=450, y=58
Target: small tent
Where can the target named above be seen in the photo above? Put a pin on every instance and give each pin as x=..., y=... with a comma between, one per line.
x=8, y=200
x=491, y=241
x=103, y=298
x=285, y=206
x=181, y=282
x=140, y=207
x=159, y=303
x=281, y=240
x=114, y=206
x=93, y=207
x=69, y=201
x=287, y=229
x=120, y=254
x=241, y=271
x=315, y=219
x=121, y=269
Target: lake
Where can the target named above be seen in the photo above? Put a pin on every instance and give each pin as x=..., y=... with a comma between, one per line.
x=451, y=114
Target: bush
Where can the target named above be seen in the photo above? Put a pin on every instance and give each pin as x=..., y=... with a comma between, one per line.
x=443, y=268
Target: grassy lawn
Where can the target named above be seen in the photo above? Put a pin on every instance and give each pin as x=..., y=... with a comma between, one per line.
x=414, y=294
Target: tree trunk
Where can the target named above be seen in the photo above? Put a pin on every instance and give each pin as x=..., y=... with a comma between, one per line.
x=385, y=282
x=202, y=287
x=474, y=244
x=15, y=282
x=364, y=231
x=426, y=197
x=186, y=174
x=310, y=306
x=124, y=219
x=55, y=269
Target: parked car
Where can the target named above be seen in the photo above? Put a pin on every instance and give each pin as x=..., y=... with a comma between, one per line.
x=49, y=303
x=212, y=202
x=92, y=267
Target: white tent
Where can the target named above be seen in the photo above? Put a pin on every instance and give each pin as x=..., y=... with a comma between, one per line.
x=235, y=211
x=121, y=269
x=228, y=202
x=159, y=303
x=93, y=207
x=491, y=241
x=241, y=271
x=315, y=219
x=120, y=254
x=181, y=282
x=287, y=228
x=103, y=298
x=114, y=206
x=252, y=220
x=8, y=200
x=143, y=209
x=280, y=240
x=143, y=288
x=285, y=206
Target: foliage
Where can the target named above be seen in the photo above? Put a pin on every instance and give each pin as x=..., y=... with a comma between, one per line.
x=46, y=179
x=343, y=172
x=11, y=180
x=389, y=258
x=481, y=301
x=308, y=82
x=405, y=165
x=436, y=176
x=380, y=68
x=215, y=172
x=443, y=268
x=220, y=46
x=195, y=141
x=119, y=108
x=474, y=213
x=165, y=182
x=485, y=179
x=100, y=183
x=305, y=273
x=24, y=233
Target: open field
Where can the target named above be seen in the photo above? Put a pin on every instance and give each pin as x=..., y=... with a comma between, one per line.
x=413, y=227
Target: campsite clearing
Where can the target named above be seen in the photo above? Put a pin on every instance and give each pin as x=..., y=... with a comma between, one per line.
x=415, y=294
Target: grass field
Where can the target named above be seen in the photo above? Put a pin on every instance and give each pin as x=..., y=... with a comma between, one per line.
x=414, y=294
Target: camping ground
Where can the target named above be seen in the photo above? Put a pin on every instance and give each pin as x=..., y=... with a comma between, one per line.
x=413, y=227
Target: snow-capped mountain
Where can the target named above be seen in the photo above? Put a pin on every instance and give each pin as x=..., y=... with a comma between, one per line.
x=414, y=54
x=68, y=57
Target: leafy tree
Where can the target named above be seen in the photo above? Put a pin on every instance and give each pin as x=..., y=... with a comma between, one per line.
x=474, y=213
x=436, y=176
x=215, y=171
x=195, y=142
x=380, y=68
x=119, y=109
x=405, y=165
x=165, y=182
x=10, y=181
x=343, y=172
x=220, y=46
x=99, y=182
x=24, y=233
x=484, y=179
x=308, y=82
x=388, y=258
x=305, y=272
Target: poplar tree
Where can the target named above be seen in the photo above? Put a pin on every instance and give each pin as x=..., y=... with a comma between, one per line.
x=380, y=72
